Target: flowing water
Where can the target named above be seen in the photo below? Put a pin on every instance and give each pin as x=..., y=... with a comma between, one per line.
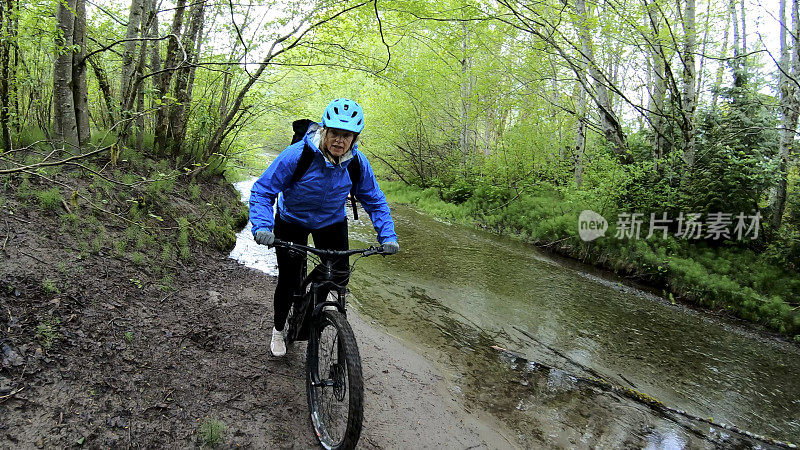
x=522, y=335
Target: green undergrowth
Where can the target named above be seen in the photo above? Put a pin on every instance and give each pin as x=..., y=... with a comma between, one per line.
x=727, y=277
x=131, y=206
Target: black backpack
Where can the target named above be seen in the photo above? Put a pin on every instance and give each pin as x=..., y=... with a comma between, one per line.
x=300, y=128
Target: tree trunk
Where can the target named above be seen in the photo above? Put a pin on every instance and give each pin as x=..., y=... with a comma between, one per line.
x=5, y=63
x=129, y=52
x=140, y=66
x=609, y=124
x=65, y=125
x=177, y=113
x=464, y=143
x=135, y=91
x=705, y=33
x=198, y=46
x=720, y=69
x=580, y=114
x=226, y=83
x=736, y=63
x=14, y=90
x=173, y=58
x=790, y=104
x=155, y=57
x=105, y=88
x=689, y=100
x=80, y=91
x=580, y=134
x=744, y=34
x=655, y=108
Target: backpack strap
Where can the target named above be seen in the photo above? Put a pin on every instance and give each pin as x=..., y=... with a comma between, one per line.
x=303, y=163
x=354, y=170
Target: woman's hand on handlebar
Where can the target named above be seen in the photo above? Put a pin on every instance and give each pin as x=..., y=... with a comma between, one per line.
x=389, y=248
x=264, y=237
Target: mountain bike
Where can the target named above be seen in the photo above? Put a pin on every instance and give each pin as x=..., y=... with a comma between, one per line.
x=334, y=384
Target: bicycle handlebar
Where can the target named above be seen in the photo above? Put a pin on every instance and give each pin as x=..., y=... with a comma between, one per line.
x=372, y=250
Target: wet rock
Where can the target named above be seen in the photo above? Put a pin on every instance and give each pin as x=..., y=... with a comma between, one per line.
x=5, y=385
x=118, y=422
x=11, y=358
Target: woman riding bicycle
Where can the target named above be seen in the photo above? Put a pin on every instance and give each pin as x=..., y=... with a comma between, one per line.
x=314, y=203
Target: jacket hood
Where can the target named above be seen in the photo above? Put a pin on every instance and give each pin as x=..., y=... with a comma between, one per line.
x=313, y=139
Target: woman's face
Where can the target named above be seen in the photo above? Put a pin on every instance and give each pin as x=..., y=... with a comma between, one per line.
x=338, y=141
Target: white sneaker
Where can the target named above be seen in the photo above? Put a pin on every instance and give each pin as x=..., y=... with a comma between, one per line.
x=278, y=345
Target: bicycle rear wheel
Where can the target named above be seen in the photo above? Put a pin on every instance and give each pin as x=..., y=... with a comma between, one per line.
x=336, y=402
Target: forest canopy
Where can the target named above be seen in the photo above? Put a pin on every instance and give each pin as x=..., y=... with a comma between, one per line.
x=521, y=113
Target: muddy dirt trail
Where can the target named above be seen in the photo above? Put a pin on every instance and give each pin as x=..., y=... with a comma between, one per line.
x=94, y=354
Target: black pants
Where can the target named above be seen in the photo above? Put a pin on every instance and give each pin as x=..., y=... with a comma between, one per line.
x=290, y=264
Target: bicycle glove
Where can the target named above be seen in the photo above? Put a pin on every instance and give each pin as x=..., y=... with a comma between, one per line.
x=390, y=248
x=264, y=237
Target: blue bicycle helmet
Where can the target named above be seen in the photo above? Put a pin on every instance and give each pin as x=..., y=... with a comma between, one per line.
x=344, y=114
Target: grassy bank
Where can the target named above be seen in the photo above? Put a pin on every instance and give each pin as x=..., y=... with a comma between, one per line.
x=127, y=206
x=724, y=277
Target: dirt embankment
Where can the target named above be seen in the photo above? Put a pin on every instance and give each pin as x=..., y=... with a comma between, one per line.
x=105, y=344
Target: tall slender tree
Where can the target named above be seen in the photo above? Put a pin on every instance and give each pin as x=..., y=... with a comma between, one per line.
x=655, y=110
x=609, y=122
x=65, y=125
x=5, y=64
x=80, y=92
x=129, y=53
x=177, y=112
x=689, y=94
x=174, y=58
x=721, y=67
x=789, y=68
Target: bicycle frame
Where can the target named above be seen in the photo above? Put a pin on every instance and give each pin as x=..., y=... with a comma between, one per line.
x=321, y=279
x=323, y=282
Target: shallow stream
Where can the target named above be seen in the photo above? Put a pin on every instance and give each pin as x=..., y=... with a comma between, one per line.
x=521, y=335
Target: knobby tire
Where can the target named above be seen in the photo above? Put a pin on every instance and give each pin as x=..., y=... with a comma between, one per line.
x=348, y=399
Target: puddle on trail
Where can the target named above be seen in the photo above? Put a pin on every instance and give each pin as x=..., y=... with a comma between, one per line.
x=247, y=251
x=455, y=292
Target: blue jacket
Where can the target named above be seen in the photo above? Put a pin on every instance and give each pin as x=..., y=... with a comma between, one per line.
x=318, y=198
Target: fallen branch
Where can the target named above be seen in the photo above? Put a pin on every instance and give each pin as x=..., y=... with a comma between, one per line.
x=561, y=354
x=556, y=242
x=53, y=163
x=32, y=257
x=11, y=394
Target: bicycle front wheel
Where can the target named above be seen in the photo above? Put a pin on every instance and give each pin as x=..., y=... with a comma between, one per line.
x=334, y=384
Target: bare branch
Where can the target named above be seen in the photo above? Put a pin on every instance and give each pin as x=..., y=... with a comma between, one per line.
x=380, y=29
x=52, y=163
